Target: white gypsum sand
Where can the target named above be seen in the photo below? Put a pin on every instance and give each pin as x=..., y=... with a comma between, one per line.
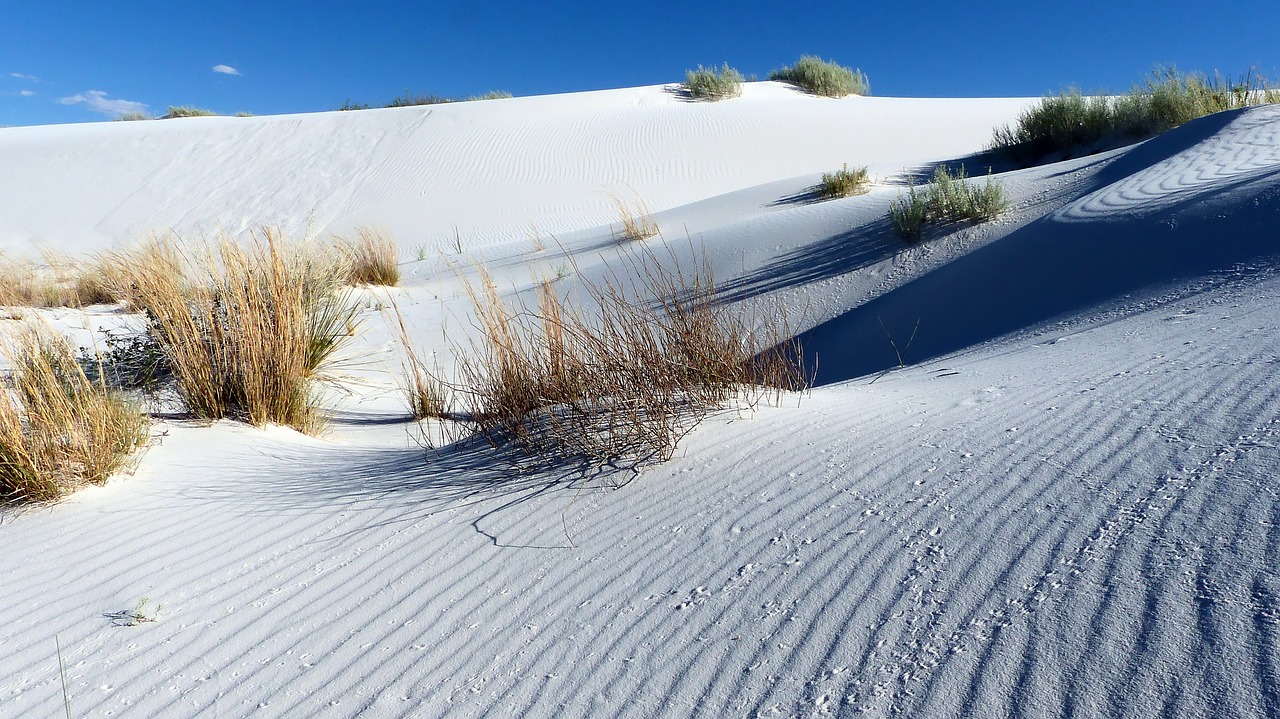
x=1066, y=502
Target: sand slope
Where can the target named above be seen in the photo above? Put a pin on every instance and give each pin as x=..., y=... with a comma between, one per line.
x=1067, y=505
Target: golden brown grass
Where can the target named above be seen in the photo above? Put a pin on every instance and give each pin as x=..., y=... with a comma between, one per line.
x=247, y=328
x=57, y=281
x=58, y=430
x=623, y=385
x=426, y=395
x=637, y=222
x=371, y=258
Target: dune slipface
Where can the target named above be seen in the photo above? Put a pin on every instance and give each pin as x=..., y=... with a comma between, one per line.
x=1065, y=502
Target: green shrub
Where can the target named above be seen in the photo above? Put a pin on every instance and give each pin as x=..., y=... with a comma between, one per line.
x=1070, y=121
x=947, y=198
x=823, y=77
x=187, y=111
x=843, y=183
x=711, y=84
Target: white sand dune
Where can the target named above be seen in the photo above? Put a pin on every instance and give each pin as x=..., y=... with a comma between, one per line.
x=1066, y=504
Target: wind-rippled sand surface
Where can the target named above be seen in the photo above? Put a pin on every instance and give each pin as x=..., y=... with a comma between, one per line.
x=1065, y=505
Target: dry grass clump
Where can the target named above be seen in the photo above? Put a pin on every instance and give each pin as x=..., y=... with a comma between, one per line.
x=58, y=281
x=1071, y=121
x=58, y=430
x=708, y=83
x=948, y=198
x=823, y=77
x=844, y=183
x=637, y=222
x=246, y=329
x=370, y=258
x=621, y=387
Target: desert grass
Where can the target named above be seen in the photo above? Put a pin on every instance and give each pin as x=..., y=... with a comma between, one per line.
x=844, y=183
x=1071, y=122
x=823, y=77
x=709, y=83
x=427, y=396
x=132, y=116
x=947, y=198
x=369, y=258
x=57, y=280
x=620, y=386
x=408, y=99
x=247, y=329
x=58, y=430
x=635, y=219
x=187, y=111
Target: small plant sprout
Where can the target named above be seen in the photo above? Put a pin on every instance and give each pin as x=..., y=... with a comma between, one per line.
x=142, y=613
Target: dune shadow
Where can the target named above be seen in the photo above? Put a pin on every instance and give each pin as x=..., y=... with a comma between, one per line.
x=837, y=255
x=808, y=196
x=1048, y=269
x=680, y=92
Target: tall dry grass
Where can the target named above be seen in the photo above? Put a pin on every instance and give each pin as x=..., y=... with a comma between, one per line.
x=371, y=257
x=247, y=328
x=57, y=280
x=58, y=430
x=623, y=384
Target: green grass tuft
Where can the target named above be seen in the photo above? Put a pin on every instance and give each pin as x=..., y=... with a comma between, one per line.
x=187, y=111
x=712, y=84
x=844, y=183
x=947, y=198
x=823, y=77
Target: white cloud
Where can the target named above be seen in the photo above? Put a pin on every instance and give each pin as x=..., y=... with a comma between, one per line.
x=225, y=70
x=97, y=101
x=20, y=76
x=26, y=93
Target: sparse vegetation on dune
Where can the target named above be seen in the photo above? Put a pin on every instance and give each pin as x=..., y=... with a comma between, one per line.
x=1072, y=122
x=636, y=221
x=620, y=387
x=132, y=116
x=187, y=111
x=709, y=83
x=823, y=77
x=58, y=429
x=844, y=182
x=947, y=198
x=408, y=99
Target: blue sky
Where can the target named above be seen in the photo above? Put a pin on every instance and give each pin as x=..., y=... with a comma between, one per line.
x=87, y=61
